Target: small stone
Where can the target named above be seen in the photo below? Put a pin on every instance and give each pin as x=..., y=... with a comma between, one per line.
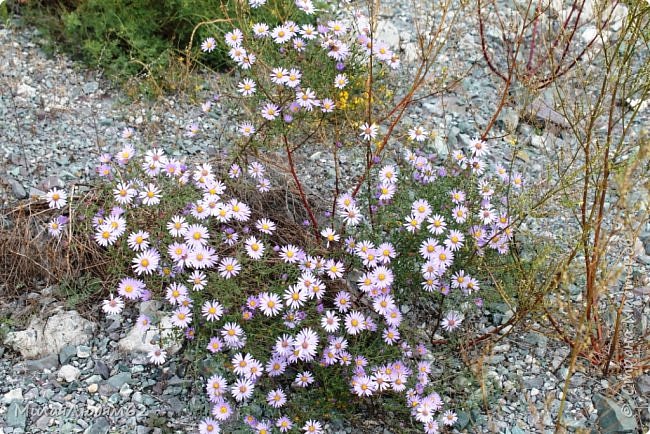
x=643, y=384
x=17, y=189
x=102, y=369
x=93, y=379
x=69, y=373
x=91, y=87
x=106, y=390
x=120, y=379
x=66, y=353
x=83, y=351
x=13, y=395
x=26, y=90
x=16, y=416
x=93, y=388
x=534, y=383
x=48, y=362
x=43, y=422
x=125, y=391
x=137, y=397
x=612, y=418
x=510, y=119
x=463, y=420
x=101, y=426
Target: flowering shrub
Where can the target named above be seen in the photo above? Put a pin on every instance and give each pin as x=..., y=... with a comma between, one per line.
x=309, y=76
x=284, y=320
x=292, y=326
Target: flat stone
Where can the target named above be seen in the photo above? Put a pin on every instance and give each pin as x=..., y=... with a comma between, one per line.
x=46, y=337
x=14, y=395
x=534, y=383
x=83, y=351
x=66, y=353
x=90, y=87
x=43, y=422
x=93, y=379
x=17, y=189
x=643, y=384
x=540, y=111
x=50, y=362
x=612, y=418
x=139, y=341
x=102, y=369
x=120, y=379
x=100, y=426
x=107, y=390
x=16, y=416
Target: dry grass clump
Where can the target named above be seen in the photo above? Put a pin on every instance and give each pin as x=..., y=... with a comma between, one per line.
x=29, y=255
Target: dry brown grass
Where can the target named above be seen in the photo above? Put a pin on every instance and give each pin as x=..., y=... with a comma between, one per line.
x=30, y=257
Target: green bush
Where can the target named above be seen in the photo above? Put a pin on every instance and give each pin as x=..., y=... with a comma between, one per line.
x=127, y=38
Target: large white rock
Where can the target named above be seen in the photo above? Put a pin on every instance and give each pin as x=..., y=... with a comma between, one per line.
x=389, y=33
x=138, y=341
x=46, y=337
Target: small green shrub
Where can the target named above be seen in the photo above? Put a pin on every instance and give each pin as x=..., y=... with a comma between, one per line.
x=143, y=38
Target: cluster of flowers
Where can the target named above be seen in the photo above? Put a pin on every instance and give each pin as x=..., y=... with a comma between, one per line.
x=335, y=38
x=439, y=248
x=321, y=316
x=189, y=253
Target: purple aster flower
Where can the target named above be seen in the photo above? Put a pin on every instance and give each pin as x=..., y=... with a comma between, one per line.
x=104, y=170
x=340, y=66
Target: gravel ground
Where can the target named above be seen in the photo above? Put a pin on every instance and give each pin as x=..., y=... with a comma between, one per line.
x=56, y=116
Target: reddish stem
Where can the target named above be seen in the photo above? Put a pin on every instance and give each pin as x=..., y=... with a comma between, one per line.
x=301, y=192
